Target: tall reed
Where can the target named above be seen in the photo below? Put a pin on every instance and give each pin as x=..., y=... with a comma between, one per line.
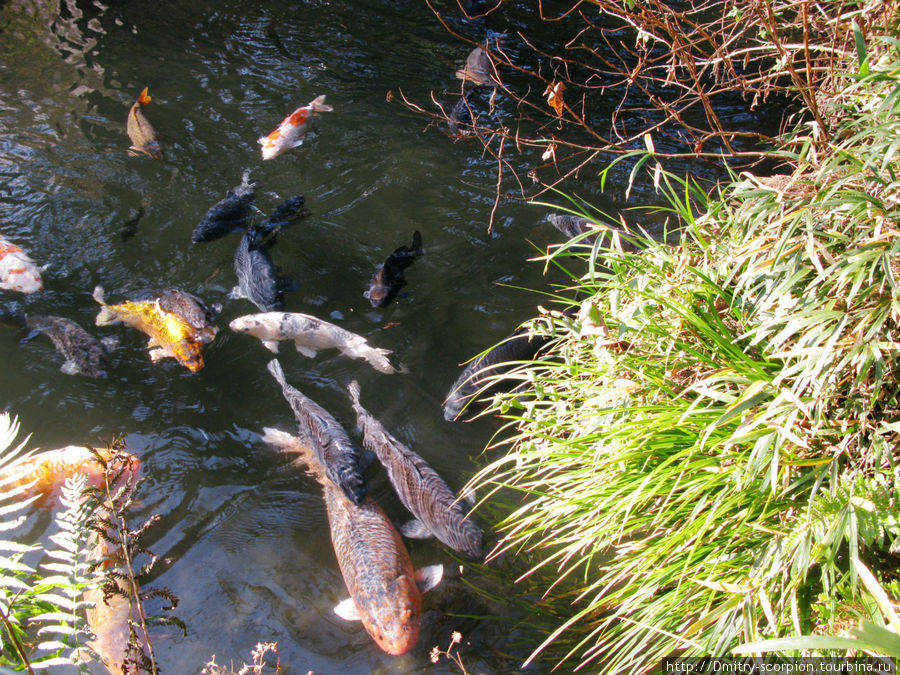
x=709, y=447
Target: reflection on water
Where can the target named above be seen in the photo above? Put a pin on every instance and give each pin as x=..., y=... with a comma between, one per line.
x=243, y=528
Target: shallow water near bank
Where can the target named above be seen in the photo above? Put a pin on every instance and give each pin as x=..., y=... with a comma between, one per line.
x=242, y=528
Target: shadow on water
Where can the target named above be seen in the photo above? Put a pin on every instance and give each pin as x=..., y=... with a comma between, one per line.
x=245, y=530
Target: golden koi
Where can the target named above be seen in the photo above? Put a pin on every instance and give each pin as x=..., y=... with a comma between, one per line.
x=172, y=333
x=144, y=139
x=292, y=129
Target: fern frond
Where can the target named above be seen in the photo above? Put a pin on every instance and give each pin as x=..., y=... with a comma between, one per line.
x=71, y=579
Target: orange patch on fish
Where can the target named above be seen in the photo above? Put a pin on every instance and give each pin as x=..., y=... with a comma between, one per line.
x=298, y=117
x=9, y=248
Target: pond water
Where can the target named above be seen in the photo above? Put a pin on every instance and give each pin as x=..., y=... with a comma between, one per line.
x=243, y=530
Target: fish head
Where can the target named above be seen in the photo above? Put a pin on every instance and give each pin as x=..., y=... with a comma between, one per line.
x=271, y=144
x=394, y=623
x=189, y=354
x=152, y=149
x=249, y=324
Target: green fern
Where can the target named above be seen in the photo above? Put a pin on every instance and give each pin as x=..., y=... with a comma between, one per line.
x=17, y=600
x=71, y=576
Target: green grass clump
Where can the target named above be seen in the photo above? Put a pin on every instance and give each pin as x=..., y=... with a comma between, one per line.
x=709, y=450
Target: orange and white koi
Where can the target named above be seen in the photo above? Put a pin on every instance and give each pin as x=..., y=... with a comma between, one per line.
x=291, y=131
x=17, y=271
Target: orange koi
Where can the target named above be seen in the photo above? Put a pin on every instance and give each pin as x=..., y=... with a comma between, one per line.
x=44, y=473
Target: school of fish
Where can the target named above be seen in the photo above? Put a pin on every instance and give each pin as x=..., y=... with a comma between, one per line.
x=384, y=589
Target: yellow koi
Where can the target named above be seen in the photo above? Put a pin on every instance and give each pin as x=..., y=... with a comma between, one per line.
x=172, y=334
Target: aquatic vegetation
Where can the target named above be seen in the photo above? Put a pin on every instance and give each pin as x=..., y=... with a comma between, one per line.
x=259, y=666
x=708, y=450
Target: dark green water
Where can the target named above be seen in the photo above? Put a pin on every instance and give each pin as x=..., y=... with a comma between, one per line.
x=245, y=532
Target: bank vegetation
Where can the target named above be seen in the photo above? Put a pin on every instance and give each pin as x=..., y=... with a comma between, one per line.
x=704, y=461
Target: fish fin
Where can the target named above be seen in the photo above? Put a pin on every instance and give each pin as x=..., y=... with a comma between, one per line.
x=415, y=529
x=271, y=345
x=318, y=104
x=416, y=248
x=236, y=293
x=278, y=438
x=346, y=609
x=429, y=577
x=144, y=98
x=158, y=353
x=275, y=368
x=353, y=390
x=70, y=368
x=106, y=316
x=98, y=294
x=378, y=359
x=306, y=351
x=469, y=497
x=297, y=143
x=262, y=140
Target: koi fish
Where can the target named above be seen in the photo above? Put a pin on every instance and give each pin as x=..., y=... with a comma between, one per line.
x=257, y=276
x=43, y=474
x=144, y=139
x=112, y=615
x=388, y=278
x=229, y=214
x=437, y=511
x=485, y=373
x=479, y=68
x=17, y=271
x=288, y=210
x=129, y=229
x=385, y=590
x=84, y=354
x=460, y=120
x=331, y=445
x=110, y=618
x=574, y=226
x=291, y=131
x=176, y=323
x=309, y=335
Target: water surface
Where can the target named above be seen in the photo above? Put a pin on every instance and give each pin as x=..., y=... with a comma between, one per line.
x=244, y=530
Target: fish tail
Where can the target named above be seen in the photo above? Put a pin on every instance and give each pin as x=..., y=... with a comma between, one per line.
x=318, y=104
x=144, y=98
x=275, y=368
x=416, y=248
x=353, y=390
x=289, y=443
x=378, y=359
